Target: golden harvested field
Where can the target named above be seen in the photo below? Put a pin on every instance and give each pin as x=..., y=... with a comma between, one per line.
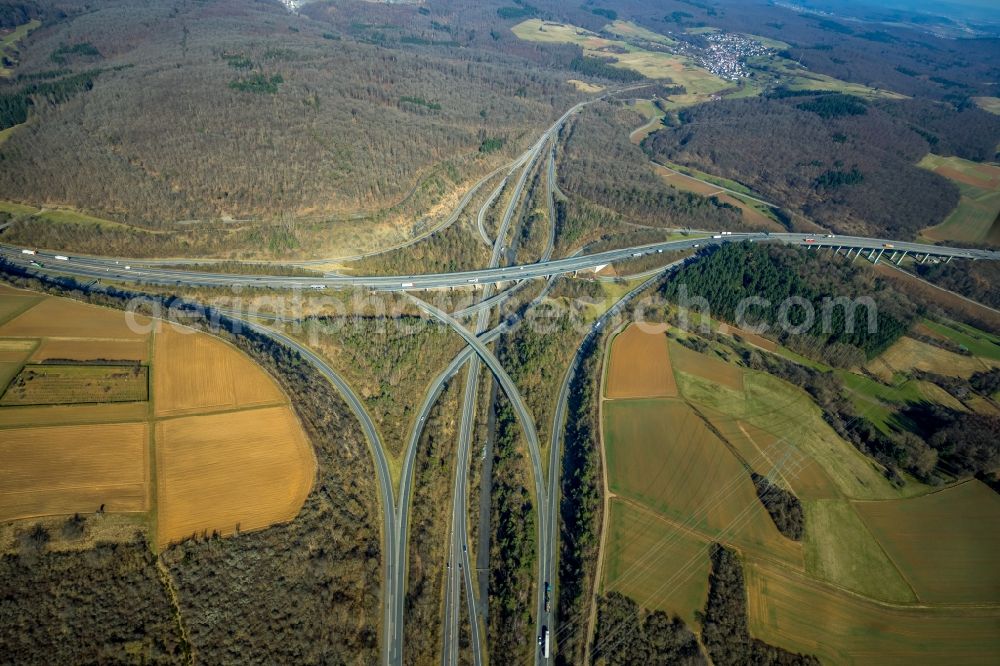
x=229, y=472
x=585, y=87
x=68, y=469
x=59, y=384
x=706, y=366
x=653, y=561
x=110, y=412
x=640, y=364
x=251, y=466
x=61, y=317
x=195, y=372
x=908, y=354
x=797, y=613
x=92, y=350
x=661, y=455
x=947, y=544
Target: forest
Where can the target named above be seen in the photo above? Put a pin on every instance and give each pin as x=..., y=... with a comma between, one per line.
x=845, y=163
x=841, y=335
x=724, y=621
x=512, y=544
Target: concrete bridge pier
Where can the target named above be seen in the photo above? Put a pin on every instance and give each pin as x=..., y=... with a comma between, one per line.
x=901, y=257
x=925, y=257
x=879, y=256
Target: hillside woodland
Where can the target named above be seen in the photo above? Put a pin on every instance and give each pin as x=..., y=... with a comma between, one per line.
x=228, y=110
x=845, y=163
x=602, y=167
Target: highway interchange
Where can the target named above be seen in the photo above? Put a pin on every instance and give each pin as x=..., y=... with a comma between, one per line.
x=476, y=353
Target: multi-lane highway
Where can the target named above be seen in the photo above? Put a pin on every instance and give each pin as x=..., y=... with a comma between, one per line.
x=104, y=268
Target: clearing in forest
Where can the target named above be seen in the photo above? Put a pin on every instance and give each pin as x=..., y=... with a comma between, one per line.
x=640, y=364
x=976, y=219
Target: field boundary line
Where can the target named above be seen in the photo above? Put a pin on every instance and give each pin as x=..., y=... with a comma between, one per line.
x=606, y=503
x=919, y=605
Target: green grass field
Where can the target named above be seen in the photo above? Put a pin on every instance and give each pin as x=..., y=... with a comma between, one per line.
x=9, y=42
x=661, y=455
x=804, y=615
x=946, y=544
x=839, y=549
x=974, y=220
x=59, y=384
x=980, y=343
x=655, y=562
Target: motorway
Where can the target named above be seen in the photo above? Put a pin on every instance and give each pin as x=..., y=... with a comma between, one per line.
x=105, y=268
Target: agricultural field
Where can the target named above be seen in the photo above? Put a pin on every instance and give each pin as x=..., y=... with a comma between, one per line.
x=908, y=354
x=873, y=555
x=976, y=219
x=795, y=612
x=197, y=373
x=641, y=544
x=226, y=473
x=839, y=549
x=991, y=104
x=51, y=470
x=755, y=214
x=662, y=455
x=83, y=428
x=700, y=83
x=65, y=384
x=945, y=543
x=640, y=364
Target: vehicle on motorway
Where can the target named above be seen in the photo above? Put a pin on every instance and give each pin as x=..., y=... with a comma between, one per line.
x=27, y=251
x=830, y=236
x=887, y=246
x=545, y=642
x=717, y=236
x=317, y=286
x=660, y=251
x=548, y=596
x=727, y=233
x=637, y=254
x=61, y=257
x=696, y=245
x=810, y=240
x=37, y=264
x=473, y=279
x=406, y=284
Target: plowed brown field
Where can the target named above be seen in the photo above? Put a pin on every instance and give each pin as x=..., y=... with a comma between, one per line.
x=640, y=364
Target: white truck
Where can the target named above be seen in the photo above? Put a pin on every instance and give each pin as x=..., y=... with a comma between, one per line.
x=406, y=285
x=27, y=251
x=717, y=236
x=61, y=257
x=545, y=642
